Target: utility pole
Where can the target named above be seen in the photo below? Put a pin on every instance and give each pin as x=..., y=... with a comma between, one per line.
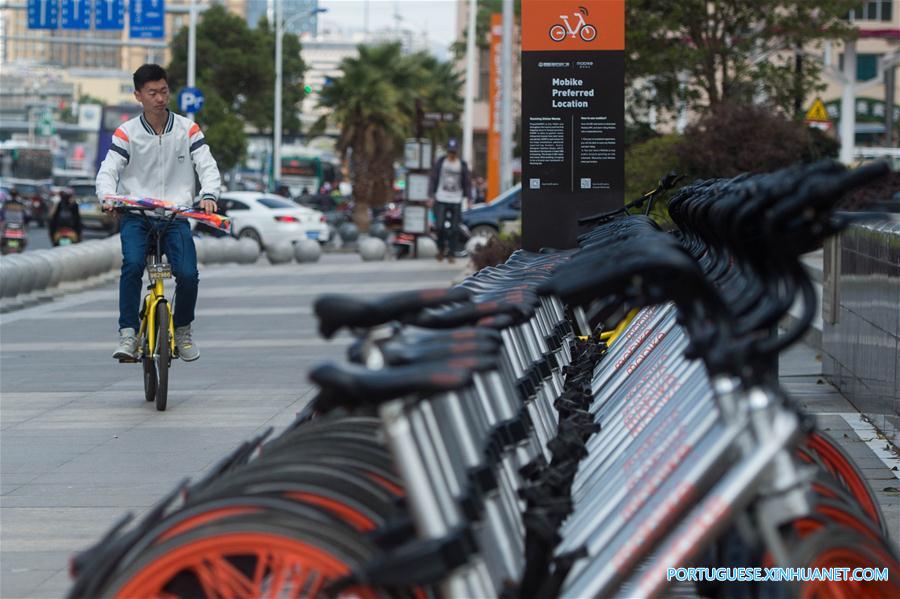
x=276, y=129
x=848, y=103
x=890, y=78
x=468, y=153
x=506, y=73
x=192, y=49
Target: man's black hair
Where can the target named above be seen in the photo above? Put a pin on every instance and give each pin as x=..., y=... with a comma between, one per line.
x=147, y=73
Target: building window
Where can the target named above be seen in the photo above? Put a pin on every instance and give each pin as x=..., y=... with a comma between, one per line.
x=873, y=10
x=866, y=66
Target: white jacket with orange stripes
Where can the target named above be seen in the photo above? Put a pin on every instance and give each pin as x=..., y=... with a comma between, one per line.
x=142, y=163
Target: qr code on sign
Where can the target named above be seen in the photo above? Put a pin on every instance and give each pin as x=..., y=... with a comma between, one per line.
x=585, y=183
x=534, y=183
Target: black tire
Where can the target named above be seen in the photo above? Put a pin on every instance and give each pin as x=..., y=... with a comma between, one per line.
x=162, y=355
x=486, y=231
x=251, y=234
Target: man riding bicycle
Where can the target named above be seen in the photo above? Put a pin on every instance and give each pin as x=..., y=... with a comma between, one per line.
x=154, y=155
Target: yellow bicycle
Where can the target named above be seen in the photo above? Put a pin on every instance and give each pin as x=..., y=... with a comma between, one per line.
x=157, y=332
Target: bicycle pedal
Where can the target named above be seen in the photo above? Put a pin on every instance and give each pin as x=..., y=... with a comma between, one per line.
x=129, y=360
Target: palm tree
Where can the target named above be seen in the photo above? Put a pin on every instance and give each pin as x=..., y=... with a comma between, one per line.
x=373, y=103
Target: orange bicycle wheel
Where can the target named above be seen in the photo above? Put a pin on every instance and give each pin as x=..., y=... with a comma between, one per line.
x=839, y=465
x=836, y=547
x=235, y=563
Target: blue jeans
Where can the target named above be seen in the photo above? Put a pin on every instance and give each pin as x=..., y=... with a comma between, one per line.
x=178, y=246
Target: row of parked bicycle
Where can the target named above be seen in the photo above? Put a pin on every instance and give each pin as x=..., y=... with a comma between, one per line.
x=570, y=423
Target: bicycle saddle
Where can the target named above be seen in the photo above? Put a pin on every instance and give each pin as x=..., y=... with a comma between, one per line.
x=349, y=385
x=471, y=313
x=336, y=311
x=396, y=354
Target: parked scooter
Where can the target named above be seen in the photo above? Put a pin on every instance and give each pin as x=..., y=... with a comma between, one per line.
x=12, y=238
x=65, y=236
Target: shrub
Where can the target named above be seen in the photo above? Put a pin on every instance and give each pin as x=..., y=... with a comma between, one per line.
x=735, y=138
x=645, y=164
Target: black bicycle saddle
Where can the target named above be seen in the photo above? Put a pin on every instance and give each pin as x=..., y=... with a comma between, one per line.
x=336, y=311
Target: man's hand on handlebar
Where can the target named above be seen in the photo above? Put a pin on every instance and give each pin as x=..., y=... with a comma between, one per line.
x=208, y=205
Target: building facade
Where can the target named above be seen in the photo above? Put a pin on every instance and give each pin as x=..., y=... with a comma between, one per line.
x=878, y=23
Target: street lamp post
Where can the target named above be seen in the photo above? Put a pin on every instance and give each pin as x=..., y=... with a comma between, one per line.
x=192, y=49
x=279, y=34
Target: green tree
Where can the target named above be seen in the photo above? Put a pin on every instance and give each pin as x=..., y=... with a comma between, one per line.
x=438, y=88
x=258, y=107
x=89, y=99
x=236, y=71
x=709, y=52
x=373, y=103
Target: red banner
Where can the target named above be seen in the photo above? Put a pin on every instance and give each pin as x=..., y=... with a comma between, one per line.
x=493, y=135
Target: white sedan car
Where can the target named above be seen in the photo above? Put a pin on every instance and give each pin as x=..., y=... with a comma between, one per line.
x=268, y=218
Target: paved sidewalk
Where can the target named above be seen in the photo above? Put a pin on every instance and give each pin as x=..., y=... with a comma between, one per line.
x=80, y=446
x=801, y=375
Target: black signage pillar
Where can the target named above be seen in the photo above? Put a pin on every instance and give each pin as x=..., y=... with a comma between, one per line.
x=573, y=116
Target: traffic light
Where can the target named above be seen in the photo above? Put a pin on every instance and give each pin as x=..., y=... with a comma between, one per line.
x=307, y=88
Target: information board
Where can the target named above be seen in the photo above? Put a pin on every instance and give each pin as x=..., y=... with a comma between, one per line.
x=573, y=116
x=76, y=14
x=145, y=18
x=109, y=15
x=43, y=14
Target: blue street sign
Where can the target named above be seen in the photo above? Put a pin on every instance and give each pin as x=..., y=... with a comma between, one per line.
x=146, y=18
x=43, y=14
x=76, y=14
x=109, y=15
x=190, y=99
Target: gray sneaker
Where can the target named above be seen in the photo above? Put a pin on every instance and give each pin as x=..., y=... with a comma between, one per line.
x=187, y=349
x=128, y=345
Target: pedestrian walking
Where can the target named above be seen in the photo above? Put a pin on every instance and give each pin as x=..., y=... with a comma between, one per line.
x=449, y=184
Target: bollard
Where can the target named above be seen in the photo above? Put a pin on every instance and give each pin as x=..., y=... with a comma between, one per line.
x=348, y=232
x=200, y=249
x=56, y=272
x=372, y=249
x=215, y=251
x=43, y=269
x=307, y=250
x=249, y=251
x=280, y=253
x=426, y=247
x=71, y=265
x=231, y=251
x=10, y=283
x=380, y=231
x=28, y=277
x=11, y=278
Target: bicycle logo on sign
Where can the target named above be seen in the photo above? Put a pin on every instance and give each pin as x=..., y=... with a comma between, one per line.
x=585, y=31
